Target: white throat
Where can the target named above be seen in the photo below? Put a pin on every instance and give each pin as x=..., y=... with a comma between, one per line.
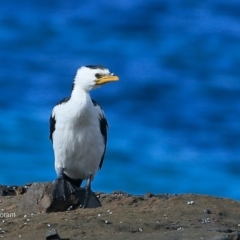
x=81, y=103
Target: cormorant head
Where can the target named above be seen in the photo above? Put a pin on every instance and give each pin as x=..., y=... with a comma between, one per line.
x=90, y=77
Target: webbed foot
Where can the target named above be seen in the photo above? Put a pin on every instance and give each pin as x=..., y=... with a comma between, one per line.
x=90, y=199
x=62, y=188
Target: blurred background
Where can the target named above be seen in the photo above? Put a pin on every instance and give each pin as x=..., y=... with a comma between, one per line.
x=174, y=116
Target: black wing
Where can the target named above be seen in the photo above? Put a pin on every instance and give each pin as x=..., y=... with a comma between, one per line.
x=52, y=123
x=52, y=120
x=103, y=128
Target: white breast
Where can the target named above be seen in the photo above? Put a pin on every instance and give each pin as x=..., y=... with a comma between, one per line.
x=77, y=140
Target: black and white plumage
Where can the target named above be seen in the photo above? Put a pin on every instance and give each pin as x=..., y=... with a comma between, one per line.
x=78, y=130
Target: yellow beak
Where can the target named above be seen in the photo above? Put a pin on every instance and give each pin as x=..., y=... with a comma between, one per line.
x=105, y=79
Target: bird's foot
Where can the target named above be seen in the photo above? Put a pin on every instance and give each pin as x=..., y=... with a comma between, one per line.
x=86, y=198
x=62, y=188
x=90, y=200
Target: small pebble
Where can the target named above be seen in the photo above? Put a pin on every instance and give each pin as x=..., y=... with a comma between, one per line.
x=48, y=225
x=106, y=222
x=207, y=211
x=99, y=215
x=180, y=228
x=25, y=223
x=3, y=221
x=28, y=220
x=140, y=229
x=190, y=202
x=52, y=234
x=69, y=208
x=239, y=225
x=205, y=220
x=25, y=216
x=32, y=214
x=121, y=222
x=20, y=236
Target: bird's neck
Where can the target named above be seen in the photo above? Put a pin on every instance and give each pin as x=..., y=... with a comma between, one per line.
x=78, y=94
x=80, y=100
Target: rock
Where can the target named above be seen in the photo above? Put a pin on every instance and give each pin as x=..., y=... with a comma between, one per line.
x=11, y=190
x=38, y=199
x=52, y=235
x=236, y=236
x=148, y=195
x=3, y=190
x=224, y=230
x=207, y=211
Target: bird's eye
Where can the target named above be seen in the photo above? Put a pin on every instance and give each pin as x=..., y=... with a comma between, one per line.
x=97, y=75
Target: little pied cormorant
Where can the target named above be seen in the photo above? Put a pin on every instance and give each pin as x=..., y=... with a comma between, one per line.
x=78, y=131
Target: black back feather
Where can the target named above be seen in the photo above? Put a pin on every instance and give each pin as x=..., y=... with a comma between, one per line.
x=103, y=128
x=52, y=120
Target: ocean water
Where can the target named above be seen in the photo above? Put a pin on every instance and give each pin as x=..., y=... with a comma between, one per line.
x=174, y=115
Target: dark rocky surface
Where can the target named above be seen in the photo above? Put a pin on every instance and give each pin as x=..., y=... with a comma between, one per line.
x=122, y=216
x=13, y=190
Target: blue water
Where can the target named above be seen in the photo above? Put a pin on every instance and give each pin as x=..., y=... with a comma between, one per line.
x=174, y=115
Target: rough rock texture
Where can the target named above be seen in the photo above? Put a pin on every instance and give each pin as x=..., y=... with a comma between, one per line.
x=52, y=235
x=124, y=216
x=12, y=190
x=38, y=199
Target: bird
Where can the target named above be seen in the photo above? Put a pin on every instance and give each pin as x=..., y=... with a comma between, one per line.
x=78, y=131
